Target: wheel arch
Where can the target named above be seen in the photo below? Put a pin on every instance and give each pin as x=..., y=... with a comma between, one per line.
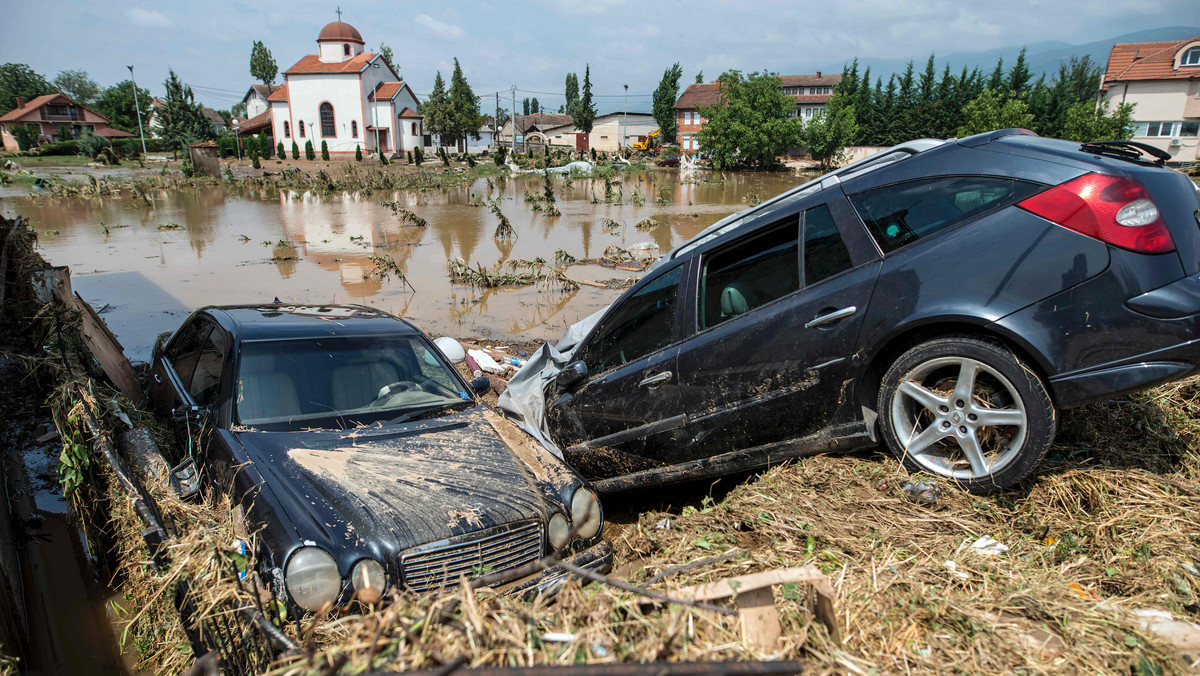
x=904, y=337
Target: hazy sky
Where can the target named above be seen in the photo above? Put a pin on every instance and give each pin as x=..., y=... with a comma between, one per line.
x=534, y=44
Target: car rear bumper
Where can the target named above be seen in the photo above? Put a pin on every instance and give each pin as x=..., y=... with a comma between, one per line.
x=598, y=558
x=1127, y=375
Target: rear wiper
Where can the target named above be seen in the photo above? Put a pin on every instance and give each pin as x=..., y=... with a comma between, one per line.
x=1127, y=150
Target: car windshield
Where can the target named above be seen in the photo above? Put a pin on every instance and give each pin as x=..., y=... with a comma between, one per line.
x=341, y=381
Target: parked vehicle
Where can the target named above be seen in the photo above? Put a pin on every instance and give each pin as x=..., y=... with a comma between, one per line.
x=945, y=298
x=346, y=436
x=671, y=161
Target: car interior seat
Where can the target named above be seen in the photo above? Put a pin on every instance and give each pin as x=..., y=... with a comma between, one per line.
x=733, y=302
x=263, y=391
x=356, y=384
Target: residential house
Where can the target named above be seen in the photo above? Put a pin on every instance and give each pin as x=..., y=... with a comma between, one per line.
x=256, y=99
x=1162, y=81
x=810, y=92
x=347, y=98
x=537, y=128
x=218, y=122
x=51, y=112
x=487, y=139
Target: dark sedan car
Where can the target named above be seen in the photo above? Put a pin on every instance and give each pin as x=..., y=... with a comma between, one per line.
x=943, y=297
x=348, y=439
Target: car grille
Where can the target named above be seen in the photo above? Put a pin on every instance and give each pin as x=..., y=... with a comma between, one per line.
x=439, y=565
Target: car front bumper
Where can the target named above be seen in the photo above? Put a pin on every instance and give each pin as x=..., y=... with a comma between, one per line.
x=598, y=558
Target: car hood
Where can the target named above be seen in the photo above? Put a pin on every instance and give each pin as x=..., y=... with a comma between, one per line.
x=383, y=489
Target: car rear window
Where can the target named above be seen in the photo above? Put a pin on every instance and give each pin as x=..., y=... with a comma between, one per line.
x=750, y=273
x=903, y=213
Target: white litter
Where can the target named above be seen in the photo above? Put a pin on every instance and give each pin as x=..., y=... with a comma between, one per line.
x=558, y=637
x=663, y=524
x=485, y=361
x=953, y=568
x=989, y=547
x=451, y=348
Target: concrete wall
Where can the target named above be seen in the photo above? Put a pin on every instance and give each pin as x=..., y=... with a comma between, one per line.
x=255, y=106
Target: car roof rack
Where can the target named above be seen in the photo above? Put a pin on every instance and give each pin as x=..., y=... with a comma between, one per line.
x=1131, y=151
x=989, y=136
x=856, y=168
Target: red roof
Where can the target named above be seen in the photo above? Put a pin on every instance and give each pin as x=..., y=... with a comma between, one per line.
x=1148, y=61
x=410, y=114
x=279, y=94
x=810, y=98
x=339, y=31
x=699, y=95
x=818, y=80
x=109, y=132
x=254, y=124
x=33, y=104
x=311, y=64
x=386, y=91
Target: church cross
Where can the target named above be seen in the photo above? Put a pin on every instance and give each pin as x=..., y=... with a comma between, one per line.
x=339, y=12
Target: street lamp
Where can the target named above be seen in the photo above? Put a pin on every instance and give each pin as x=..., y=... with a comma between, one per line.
x=138, y=107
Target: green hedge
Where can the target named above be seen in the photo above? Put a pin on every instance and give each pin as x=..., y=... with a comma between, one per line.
x=59, y=148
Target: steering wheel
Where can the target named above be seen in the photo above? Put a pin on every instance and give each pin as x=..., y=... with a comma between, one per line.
x=387, y=391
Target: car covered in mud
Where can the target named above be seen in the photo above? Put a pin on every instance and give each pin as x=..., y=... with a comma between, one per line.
x=945, y=298
x=361, y=460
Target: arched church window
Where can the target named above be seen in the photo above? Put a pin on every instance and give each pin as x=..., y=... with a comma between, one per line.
x=287, y=129
x=301, y=125
x=328, y=128
x=354, y=128
x=345, y=50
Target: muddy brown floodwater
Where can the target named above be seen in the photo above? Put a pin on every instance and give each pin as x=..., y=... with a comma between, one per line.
x=238, y=246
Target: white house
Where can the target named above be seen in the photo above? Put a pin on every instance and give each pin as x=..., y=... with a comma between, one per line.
x=1162, y=81
x=347, y=98
x=256, y=99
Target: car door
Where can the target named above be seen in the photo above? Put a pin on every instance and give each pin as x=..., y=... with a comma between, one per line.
x=624, y=413
x=172, y=370
x=777, y=315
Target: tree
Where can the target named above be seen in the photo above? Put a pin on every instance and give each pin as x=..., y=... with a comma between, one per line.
x=227, y=117
x=572, y=94
x=324, y=150
x=117, y=104
x=385, y=53
x=358, y=154
x=534, y=106
x=828, y=134
x=262, y=64
x=25, y=135
x=997, y=82
x=525, y=106
x=20, y=81
x=295, y=151
x=238, y=109
x=992, y=110
x=1085, y=121
x=64, y=133
x=463, y=105
x=664, y=102
x=310, y=154
x=254, y=156
x=502, y=119
x=279, y=151
x=77, y=85
x=435, y=109
x=1019, y=76
x=180, y=119
x=752, y=123
x=700, y=77
x=585, y=117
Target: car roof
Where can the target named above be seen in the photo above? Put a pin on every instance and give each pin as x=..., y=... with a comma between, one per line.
x=275, y=321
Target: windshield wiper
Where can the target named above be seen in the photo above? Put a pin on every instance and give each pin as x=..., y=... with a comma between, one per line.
x=405, y=417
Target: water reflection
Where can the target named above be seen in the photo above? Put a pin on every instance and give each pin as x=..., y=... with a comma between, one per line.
x=239, y=246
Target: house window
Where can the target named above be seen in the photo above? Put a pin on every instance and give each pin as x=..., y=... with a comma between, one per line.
x=1189, y=129
x=287, y=129
x=1159, y=128
x=328, y=128
x=414, y=128
x=1191, y=57
x=345, y=50
x=301, y=128
x=353, y=128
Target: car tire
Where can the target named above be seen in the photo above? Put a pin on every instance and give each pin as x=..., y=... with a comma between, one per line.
x=986, y=441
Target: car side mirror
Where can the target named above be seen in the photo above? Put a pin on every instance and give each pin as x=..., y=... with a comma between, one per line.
x=481, y=385
x=571, y=375
x=159, y=344
x=182, y=413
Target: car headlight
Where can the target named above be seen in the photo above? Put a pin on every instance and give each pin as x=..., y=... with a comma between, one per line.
x=312, y=578
x=585, y=512
x=369, y=580
x=558, y=530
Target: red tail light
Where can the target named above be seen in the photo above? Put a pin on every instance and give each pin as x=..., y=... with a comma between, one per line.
x=1113, y=209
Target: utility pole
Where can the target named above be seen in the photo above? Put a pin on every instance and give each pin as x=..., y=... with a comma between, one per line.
x=496, y=122
x=514, y=120
x=138, y=108
x=625, y=123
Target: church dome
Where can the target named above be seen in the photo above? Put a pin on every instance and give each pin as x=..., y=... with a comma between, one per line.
x=339, y=31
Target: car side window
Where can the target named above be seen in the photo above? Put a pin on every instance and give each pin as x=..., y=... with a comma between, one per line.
x=643, y=323
x=750, y=273
x=185, y=349
x=825, y=254
x=903, y=213
x=206, y=380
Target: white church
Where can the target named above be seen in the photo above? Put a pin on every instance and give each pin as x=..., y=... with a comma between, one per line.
x=347, y=98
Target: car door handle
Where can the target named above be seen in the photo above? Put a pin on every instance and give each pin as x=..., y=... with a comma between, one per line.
x=655, y=379
x=831, y=317
x=157, y=379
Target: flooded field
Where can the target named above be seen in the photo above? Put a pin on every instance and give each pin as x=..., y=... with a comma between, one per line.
x=229, y=245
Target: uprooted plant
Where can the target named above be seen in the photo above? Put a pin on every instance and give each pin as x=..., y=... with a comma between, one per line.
x=387, y=268
x=406, y=215
x=518, y=272
x=504, y=229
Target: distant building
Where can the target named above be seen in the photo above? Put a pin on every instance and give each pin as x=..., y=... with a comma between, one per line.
x=810, y=92
x=1162, y=81
x=51, y=112
x=256, y=99
x=534, y=127
x=345, y=97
